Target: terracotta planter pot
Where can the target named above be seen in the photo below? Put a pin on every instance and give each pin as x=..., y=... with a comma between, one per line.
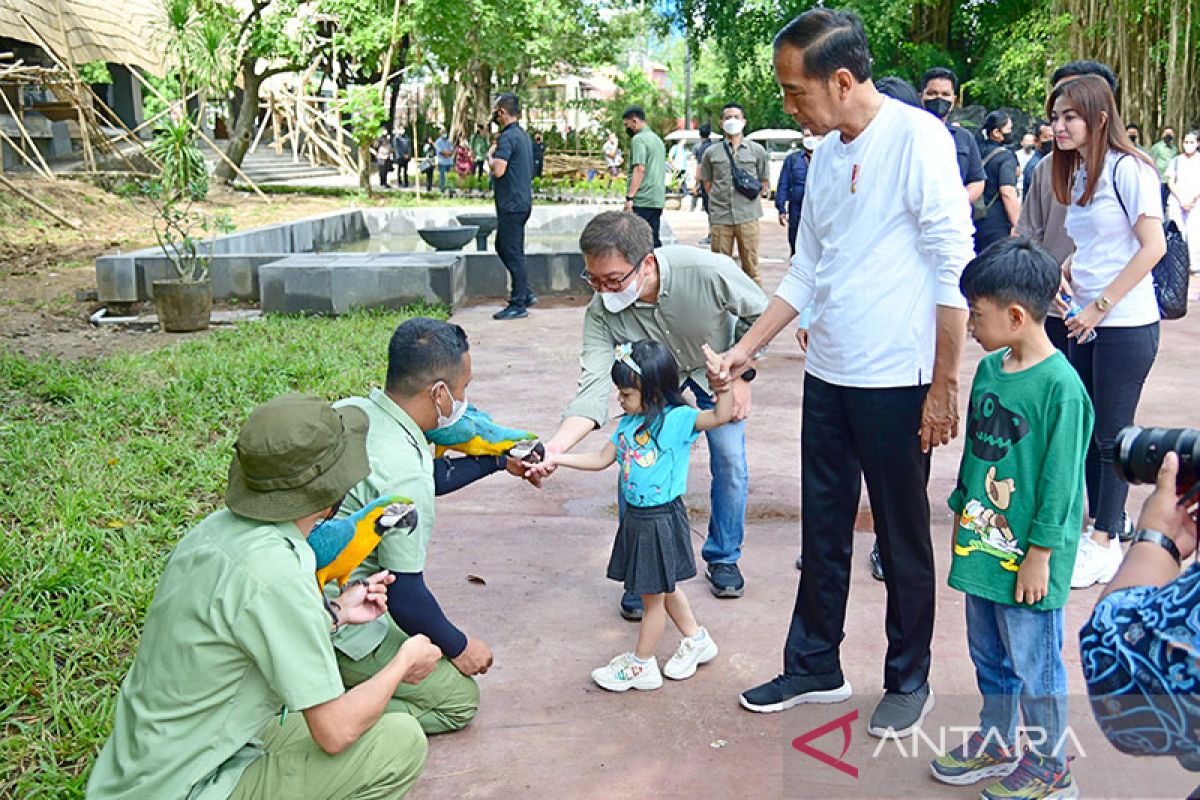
x=183, y=306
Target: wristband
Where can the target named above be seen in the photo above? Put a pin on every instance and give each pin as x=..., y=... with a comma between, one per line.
x=1160, y=539
x=749, y=375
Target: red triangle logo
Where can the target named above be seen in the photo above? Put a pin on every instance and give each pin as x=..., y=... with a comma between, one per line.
x=842, y=723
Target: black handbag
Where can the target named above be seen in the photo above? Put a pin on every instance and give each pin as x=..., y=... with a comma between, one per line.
x=1173, y=271
x=746, y=184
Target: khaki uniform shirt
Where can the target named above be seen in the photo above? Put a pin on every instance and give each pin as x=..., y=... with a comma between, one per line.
x=726, y=205
x=401, y=463
x=235, y=632
x=703, y=298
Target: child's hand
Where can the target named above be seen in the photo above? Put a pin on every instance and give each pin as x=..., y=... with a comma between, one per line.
x=542, y=468
x=1033, y=578
x=713, y=363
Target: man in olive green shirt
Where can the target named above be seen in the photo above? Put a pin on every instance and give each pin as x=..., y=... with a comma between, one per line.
x=685, y=298
x=429, y=368
x=1162, y=152
x=647, y=192
x=479, y=148
x=733, y=217
x=237, y=636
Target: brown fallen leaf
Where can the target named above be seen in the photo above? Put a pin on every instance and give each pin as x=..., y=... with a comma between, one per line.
x=476, y=579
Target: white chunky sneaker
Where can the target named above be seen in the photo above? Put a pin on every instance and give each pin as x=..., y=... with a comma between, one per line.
x=689, y=655
x=624, y=673
x=1095, y=563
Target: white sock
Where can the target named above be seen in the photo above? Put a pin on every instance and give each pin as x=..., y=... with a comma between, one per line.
x=641, y=661
x=700, y=635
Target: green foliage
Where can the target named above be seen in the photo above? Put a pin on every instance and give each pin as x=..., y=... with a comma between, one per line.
x=94, y=72
x=184, y=171
x=635, y=88
x=366, y=112
x=106, y=464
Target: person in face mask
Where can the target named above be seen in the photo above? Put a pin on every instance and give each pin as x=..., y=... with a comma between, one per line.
x=732, y=215
x=1162, y=152
x=647, y=191
x=238, y=629
x=429, y=370
x=939, y=92
x=1000, y=189
x=684, y=298
x=1183, y=206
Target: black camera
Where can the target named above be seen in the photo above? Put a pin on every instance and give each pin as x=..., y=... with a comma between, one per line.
x=1138, y=453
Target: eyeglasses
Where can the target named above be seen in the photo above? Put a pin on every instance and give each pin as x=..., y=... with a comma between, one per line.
x=611, y=284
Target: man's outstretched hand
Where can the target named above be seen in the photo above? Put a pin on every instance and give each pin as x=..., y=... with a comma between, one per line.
x=723, y=369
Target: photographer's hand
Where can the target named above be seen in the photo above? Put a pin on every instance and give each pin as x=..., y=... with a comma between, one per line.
x=1146, y=563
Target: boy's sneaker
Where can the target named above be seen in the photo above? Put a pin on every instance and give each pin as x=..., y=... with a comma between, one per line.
x=899, y=714
x=624, y=673
x=786, y=691
x=876, y=563
x=690, y=654
x=1033, y=780
x=1095, y=563
x=725, y=580
x=974, y=761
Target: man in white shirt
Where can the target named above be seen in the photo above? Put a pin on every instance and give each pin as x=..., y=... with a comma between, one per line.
x=884, y=234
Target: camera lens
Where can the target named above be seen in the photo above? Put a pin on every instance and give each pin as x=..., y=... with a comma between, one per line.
x=1138, y=453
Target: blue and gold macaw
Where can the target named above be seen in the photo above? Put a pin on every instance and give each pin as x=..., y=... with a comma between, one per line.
x=477, y=435
x=340, y=545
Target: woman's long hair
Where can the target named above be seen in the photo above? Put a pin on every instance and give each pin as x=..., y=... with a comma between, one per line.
x=658, y=383
x=1090, y=97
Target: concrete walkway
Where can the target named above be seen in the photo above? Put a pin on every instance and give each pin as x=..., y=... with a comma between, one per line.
x=545, y=731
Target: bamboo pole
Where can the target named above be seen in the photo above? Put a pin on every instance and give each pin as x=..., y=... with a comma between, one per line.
x=21, y=152
x=26, y=137
x=220, y=153
x=30, y=198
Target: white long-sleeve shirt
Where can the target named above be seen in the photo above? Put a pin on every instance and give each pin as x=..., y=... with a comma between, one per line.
x=885, y=232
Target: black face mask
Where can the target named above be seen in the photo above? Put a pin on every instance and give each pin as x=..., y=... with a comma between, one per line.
x=496, y=120
x=1168, y=139
x=1008, y=138
x=938, y=106
x=630, y=131
x=1047, y=147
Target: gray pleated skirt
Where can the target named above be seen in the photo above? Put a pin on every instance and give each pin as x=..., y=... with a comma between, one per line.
x=653, y=549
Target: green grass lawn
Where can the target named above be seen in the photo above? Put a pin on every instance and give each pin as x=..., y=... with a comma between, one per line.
x=103, y=466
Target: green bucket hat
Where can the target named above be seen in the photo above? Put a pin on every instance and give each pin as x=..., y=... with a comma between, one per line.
x=296, y=455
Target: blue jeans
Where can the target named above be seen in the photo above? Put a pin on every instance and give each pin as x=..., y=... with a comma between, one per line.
x=443, y=169
x=1017, y=653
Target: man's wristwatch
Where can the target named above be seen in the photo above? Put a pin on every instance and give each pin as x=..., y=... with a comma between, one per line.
x=628, y=199
x=1103, y=303
x=1161, y=539
x=749, y=375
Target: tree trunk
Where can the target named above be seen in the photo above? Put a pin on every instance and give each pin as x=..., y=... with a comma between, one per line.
x=243, y=129
x=931, y=22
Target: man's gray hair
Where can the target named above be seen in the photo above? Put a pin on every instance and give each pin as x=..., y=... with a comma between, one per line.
x=617, y=232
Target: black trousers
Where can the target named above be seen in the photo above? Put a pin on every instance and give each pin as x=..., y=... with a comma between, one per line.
x=510, y=246
x=402, y=171
x=654, y=217
x=848, y=432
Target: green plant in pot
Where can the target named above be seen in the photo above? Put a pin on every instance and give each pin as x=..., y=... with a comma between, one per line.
x=184, y=302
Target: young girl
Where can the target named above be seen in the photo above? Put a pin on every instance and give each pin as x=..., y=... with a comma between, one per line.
x=653, y=549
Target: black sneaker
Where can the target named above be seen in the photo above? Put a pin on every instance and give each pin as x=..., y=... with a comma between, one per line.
x=1126, y=532
x=631, y=607
x=876, y=563
x=784, y=691
x=899, y=714
x=725, y=580
x=800, y=561
x=511, y=312
x=531, y=300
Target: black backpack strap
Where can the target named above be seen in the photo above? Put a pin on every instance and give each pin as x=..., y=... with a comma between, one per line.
x=1116, y=190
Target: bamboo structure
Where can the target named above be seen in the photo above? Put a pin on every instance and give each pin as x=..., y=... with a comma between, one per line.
x=307, y=125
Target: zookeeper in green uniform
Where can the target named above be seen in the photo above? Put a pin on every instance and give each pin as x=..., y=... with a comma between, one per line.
x=237, y=636
x=429, y=367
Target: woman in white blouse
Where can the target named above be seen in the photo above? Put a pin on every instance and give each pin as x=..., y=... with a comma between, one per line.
x=1183, y=203
x=1114, y=215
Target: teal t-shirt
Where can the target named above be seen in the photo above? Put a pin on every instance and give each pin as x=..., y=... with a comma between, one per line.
x=654, y=464
x=1021, y=481
x=647, y=149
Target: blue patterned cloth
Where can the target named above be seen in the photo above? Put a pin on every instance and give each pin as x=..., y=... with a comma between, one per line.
x=1141, y=660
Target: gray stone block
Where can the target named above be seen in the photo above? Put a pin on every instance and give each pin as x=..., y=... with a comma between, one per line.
x=117, y=279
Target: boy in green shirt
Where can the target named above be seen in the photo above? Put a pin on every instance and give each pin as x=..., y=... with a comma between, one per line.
x=1019, y=505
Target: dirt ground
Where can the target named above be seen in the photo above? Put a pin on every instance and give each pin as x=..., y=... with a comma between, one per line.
x=47, y=271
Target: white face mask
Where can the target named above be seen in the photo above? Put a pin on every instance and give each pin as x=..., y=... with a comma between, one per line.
x=1189, y=147
x=810, y=143
x=457, y=407
x=733, y=126
x=617, y=302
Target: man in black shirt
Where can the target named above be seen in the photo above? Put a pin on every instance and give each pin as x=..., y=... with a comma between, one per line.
x=939, y=92
x=512, y=170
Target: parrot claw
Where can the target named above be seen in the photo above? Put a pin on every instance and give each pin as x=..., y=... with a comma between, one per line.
x=531, y=451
